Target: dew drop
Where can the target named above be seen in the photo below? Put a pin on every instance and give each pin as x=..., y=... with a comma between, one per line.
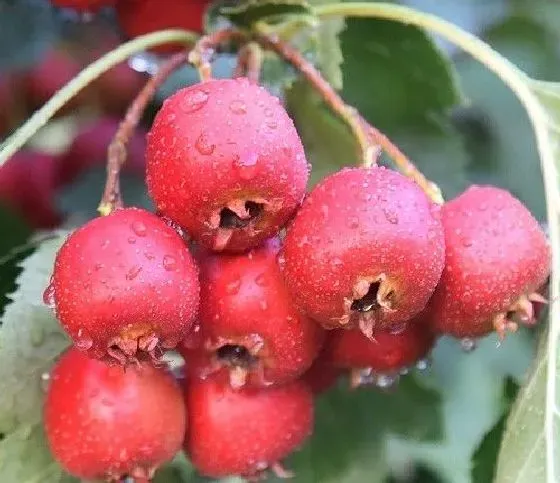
x=468, y=344
x=466, y=242
x=131, y=240
x=246, y=166
x=149, y=255
x=386, y=381
x=233, y=287
x=353, y=222
x=203, y=145
x=260, y=280
x=391, y=216
x=139, y=228
x=133, y=272
x=238, y=107
x=269, y=112
x=271, y=124
x=49, y=296
x=169, y=263
x=83, y=343
x=194, y=101
x=423, y=364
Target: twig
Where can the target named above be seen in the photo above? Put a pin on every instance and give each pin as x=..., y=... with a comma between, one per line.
x=11, y=145
x=249, y=62
x=369, y=138
x=116, y=153
x=201, y=55
x=368, y=151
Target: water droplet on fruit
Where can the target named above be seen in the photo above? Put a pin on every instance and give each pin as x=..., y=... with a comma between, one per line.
x=423, y=364
x=49, y=296
x=468, y=344
x=131, y=240
x=391, y=216
x=84, y=343
x=238, y=107
x=203, y=145
x=272, y=124
x=246, y=166
x=386, y=381
x=133, y=272
x=467, y=242
x=260, y=280
x=169, y=263
x=194, y=101
x=149, y=255
x=353, y=222
x=263, y=304
x=139, y=228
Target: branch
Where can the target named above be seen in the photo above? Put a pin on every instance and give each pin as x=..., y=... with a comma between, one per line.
x=116, y=153
x=249, y=62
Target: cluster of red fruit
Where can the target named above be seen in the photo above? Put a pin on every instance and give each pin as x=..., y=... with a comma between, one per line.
x=246, y=291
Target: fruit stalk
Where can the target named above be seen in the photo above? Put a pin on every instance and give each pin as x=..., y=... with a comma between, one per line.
x=116, y=153
x=368, y=150
x=249, y=62
x=201, y=54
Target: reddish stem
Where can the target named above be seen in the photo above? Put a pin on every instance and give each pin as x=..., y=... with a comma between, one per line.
x=201, y=55
x=369, y=138
x=116, y=153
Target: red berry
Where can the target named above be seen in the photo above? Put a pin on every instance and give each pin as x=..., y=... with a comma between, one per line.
x=248, y=322
x=89, y=149
x=27, y=186
x=243, y=432
x=322, y=375
x=386, y=353
x=139, y=17
x=54, y=70
x=125, y=286
x=83, y=5
x=105, y=422
x=365, y=248
x=497, y=257
x=225, y=161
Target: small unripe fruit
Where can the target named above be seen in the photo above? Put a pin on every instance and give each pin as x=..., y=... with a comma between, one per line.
x=125, y=286
x=106, y=422
x=366, y=248
x=225, y=162
x=497, y=258
x=386, y=353
x=248, y=322
x=244, y=432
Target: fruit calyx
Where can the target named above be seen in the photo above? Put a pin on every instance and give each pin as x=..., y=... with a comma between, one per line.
x=238, y=214
x=369, y=296
x=240, y=356
x=135, y=344
x=520, y=311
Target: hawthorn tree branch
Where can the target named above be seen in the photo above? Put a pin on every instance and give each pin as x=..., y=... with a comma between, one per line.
x=117, y=151
x=249, y=62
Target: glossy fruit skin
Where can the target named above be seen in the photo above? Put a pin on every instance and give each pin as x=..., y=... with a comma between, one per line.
x=219, y=144
x=356, y=227
x=35, y=203
x=387, y=352
x=241, y=432
x=122, y=283
x=89, y=149
x=105, y=422
x=83, y=5
x=496, y=252
x=139, y=17
x=244, y=302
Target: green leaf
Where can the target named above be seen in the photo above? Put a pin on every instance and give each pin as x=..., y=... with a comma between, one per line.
x=248, y=12
x=25, y=458
x=471, y=387
x=396, y=76
x=30, y=339
x=486, y=456
x=352, y=430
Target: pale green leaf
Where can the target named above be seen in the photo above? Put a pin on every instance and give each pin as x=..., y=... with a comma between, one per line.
x=25, y=458
x=329, y=52
x=30, y=339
